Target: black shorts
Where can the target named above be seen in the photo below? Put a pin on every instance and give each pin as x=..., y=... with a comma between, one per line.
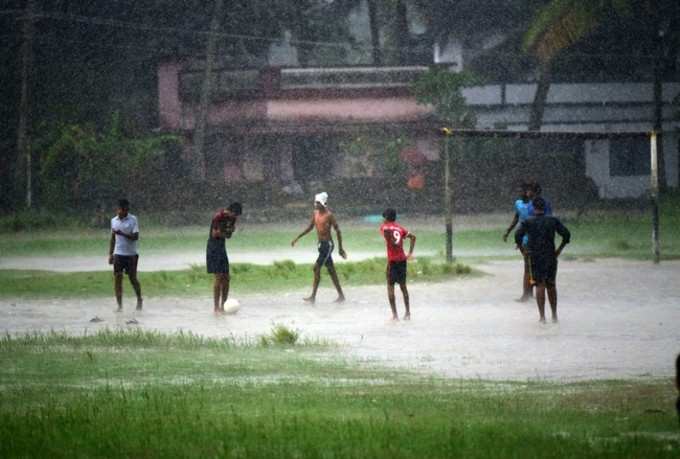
x=325, y=251
x=396, y=272
x=543, y=269
x=216, y=259
x=126, y=264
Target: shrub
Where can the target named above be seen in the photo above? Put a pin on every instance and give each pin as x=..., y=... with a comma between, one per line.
x=280, y=336
x=26, y=220
x=82, y=168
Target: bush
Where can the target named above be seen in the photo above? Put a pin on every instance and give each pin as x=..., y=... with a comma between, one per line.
x=280, y=336
x=27, y=220
x=82, y=168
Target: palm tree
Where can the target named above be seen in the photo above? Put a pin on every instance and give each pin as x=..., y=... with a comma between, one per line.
x=563, y=23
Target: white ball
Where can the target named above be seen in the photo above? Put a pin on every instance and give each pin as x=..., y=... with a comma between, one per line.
x=231, y=306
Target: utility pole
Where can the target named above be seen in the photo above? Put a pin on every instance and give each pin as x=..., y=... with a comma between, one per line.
x=24, y=150
x=658, y=103
x=199, y=167
x=654, y=188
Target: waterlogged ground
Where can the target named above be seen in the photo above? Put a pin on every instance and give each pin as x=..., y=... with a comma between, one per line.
x=618, y=319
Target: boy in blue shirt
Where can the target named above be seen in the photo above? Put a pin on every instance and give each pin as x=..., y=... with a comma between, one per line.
x=521, y=214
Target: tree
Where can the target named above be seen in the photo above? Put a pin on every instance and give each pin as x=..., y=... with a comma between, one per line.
x=561, y=24
x=82, y=168
x=442, y=90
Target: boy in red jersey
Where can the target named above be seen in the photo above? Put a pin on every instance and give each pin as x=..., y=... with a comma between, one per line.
x=394, y=235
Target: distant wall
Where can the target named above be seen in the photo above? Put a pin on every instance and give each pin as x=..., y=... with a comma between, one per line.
x=318, y=103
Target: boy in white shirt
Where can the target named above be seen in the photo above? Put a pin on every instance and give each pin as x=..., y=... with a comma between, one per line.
x=123, y=251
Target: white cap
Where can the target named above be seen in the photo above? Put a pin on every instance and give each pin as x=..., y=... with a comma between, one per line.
x=321, y=198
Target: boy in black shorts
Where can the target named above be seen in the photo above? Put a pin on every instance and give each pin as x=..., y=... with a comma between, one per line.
x=123, y=252
x=217, y=263
x=394, y=235
x=541, y=246
x=323, y=220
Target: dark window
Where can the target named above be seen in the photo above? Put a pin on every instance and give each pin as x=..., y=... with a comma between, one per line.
x=628, y=157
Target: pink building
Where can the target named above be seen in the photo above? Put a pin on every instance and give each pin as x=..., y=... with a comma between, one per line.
x=287, y=126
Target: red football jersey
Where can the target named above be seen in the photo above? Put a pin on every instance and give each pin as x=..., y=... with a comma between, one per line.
x=394, y=235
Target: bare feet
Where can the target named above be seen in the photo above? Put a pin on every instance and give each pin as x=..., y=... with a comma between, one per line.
x=407, y=316
x=119, y=308
x=524, y=298
x=309, y=299
x=139, y=304
x=340, y=299
x=554, y=319
x=395, y=319
x=542, y=320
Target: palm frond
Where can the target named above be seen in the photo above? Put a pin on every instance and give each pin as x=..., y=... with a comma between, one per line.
x=559, y=25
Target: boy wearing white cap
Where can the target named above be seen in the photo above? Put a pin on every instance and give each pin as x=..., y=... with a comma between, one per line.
x=323, y=219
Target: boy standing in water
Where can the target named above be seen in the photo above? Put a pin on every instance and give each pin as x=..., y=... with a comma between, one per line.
x=123, y=252
x=541, y=230
x=521, y=214
x=323, y=220
x=221, y=228
x=394, y=235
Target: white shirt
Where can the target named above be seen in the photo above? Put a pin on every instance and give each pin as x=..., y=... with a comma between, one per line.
x=127, y=225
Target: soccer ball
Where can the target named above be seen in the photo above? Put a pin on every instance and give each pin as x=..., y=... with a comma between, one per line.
x=231, y=306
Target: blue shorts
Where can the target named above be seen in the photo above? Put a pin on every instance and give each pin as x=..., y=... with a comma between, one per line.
x=325, y=251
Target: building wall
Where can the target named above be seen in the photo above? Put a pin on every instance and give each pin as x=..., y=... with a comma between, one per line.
x=589, y=107
x=305, y=103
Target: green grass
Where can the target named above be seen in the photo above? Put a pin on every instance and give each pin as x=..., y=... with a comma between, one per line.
x=143, y=394
x=185, y=239
x=598, y=233
x=250, y=278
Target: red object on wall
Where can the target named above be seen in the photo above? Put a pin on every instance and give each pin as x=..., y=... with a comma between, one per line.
x=416, y=181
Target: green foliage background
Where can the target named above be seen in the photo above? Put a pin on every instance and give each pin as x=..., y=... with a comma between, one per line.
x=83, y=167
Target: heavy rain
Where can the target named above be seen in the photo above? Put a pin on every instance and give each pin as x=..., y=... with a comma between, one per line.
x=339, y=228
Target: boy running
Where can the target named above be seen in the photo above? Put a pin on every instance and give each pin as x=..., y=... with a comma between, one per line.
x=123, y=252
x=541, y=230
x=394, y=235
x=323, y=220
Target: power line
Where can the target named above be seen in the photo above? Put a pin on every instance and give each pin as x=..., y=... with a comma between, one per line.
x=143, y=27
x=176, y=30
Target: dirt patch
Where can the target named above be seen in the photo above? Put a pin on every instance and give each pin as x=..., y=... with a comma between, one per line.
x=618, y=319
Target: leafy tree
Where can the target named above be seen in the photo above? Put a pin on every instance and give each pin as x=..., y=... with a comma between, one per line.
x=561, y=24
x=442, y=89
x=82, y=168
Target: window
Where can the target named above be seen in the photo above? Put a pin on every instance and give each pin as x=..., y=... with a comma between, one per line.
x=629, y=157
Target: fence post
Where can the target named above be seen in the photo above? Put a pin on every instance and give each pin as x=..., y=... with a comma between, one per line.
x=448, y=207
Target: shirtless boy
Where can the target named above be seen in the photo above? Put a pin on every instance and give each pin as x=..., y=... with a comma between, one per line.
x=323, y=219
